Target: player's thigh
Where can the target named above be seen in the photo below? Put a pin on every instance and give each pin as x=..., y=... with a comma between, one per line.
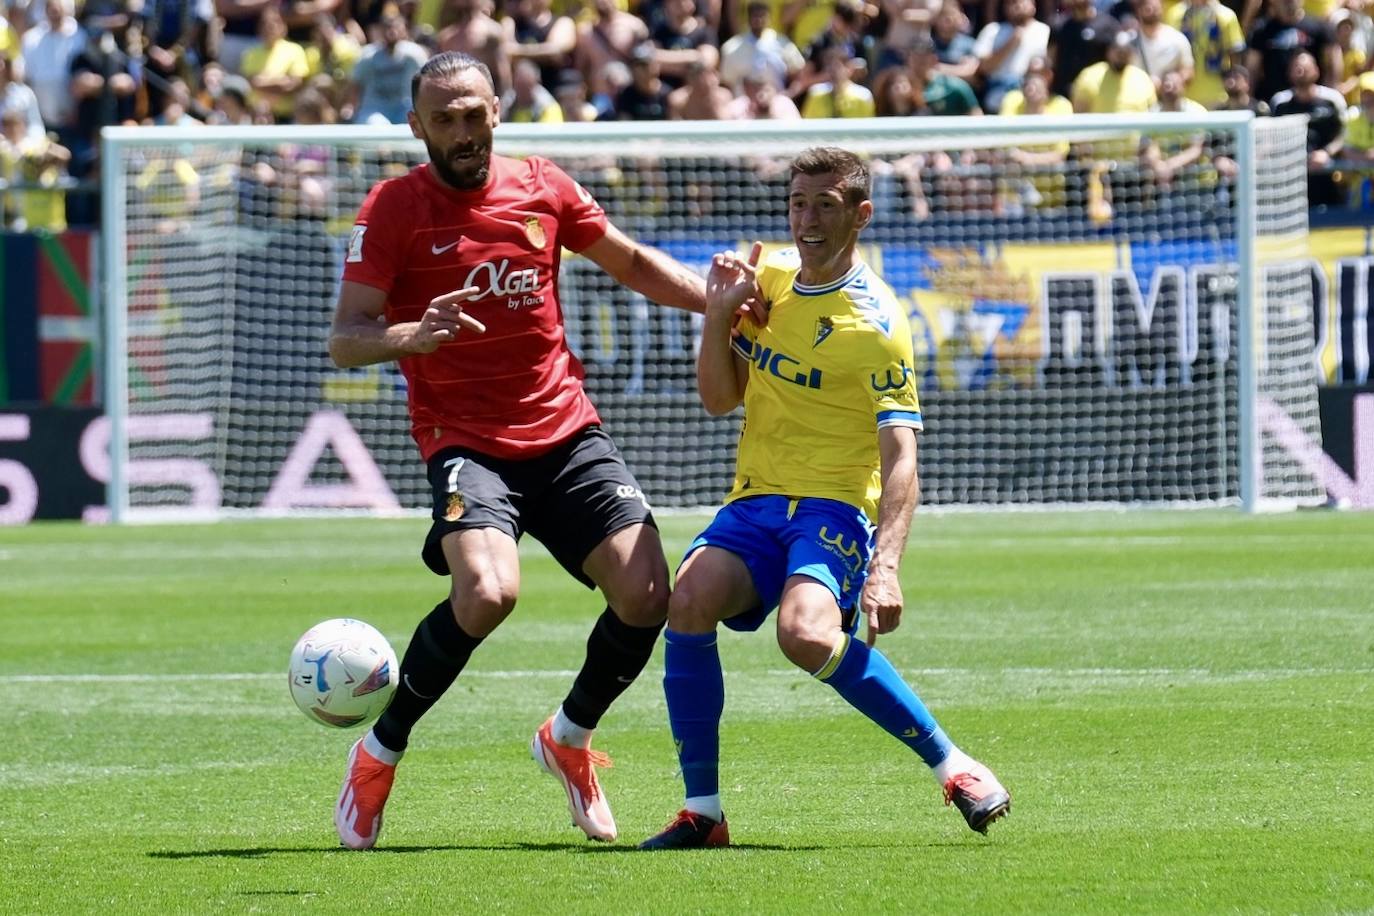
x=473, y=535
x=734, y=569
x=484, y=568
x=629, y=568
x=810, y=623
x=468, y=491
x=584, y=502
x=828, y=547
x=713, y=584
x=830, y=542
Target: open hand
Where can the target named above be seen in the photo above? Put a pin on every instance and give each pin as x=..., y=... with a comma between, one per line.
x=732, y=285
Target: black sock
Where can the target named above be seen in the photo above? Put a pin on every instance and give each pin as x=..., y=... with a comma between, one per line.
x=437, y=652
x=616, y=653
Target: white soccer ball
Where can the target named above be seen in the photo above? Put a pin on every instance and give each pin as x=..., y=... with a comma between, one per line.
x=343, y=673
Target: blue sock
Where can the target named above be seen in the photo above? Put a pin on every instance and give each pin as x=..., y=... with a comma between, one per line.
x=695, y=688
x=869, y=683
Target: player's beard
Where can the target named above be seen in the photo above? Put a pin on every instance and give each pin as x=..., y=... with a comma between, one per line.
x=466, y=177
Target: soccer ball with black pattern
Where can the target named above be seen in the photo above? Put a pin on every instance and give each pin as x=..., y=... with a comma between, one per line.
x=343, y=673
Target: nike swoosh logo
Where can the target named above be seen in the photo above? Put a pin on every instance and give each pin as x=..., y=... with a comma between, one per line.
x=909, y=733
x=625, y=680
x=440, y=249
x=406, y=679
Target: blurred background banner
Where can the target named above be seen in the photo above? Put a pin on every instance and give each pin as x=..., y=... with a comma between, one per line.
x=47, y=323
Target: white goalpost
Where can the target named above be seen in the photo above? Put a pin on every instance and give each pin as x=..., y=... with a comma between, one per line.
x=1089, y=331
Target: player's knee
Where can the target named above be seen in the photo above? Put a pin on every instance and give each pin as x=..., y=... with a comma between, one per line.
x=641, y=599
x=481, y=605
x=648, y=610
x=689, y=611
x=805, y=645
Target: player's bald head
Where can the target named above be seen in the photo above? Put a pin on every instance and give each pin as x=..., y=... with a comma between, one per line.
x=447, y=67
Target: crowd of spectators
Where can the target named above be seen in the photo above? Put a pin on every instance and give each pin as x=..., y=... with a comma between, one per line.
x=66, y=70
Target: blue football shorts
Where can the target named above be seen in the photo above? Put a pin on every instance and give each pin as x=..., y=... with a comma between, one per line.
x=777, y=537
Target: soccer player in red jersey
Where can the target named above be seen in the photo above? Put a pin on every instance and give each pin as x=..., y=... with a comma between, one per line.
x=452, y=271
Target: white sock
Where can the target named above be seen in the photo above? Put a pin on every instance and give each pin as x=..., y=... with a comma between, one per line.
x=705, y=805
x=568, y=733
x=375, y=748
x=956, y=762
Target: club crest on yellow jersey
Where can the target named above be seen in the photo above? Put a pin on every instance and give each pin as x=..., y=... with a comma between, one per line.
x=825, y=326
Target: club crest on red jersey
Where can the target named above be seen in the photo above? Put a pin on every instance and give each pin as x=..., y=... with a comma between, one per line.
x=534, y=231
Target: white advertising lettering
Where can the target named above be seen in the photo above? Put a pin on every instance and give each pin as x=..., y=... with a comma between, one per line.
x=16, y=479
x=497, y=279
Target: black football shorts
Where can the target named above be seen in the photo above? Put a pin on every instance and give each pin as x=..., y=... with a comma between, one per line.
x=570, y=499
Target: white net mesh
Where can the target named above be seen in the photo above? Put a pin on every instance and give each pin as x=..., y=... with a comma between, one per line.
x=1287, y=316
x=1073, y=312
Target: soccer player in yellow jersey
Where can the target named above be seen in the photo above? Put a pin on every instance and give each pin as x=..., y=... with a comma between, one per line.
x=829, y=443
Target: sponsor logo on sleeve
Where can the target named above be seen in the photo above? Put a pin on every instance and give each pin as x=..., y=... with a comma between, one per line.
x=355, y=244
x=891, y=382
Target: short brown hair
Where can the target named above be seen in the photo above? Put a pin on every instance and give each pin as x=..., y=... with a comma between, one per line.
x=831, y=160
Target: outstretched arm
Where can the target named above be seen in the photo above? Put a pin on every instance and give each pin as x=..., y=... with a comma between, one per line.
x=648, y=271
x=360, y=337
x=881, y=599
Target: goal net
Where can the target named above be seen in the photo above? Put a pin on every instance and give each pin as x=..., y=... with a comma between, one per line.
x=1103, y=311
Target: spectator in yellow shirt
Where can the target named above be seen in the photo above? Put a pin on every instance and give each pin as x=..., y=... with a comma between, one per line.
x=1353, y=57
x=9, y=41
x=275, y=67
x=1111, y=86
x=1359, y=144
x=1213, y=30
x=1165, y=155
x=38, y=165
x=1115, y=84
x=331, y=52
x=803, y=21
x=840, y=96
x=1042, y=160
x=1034, y=96
x=528, y=101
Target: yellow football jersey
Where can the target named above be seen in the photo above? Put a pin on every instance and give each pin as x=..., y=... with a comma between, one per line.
x=832, y=366
x=1213, y=31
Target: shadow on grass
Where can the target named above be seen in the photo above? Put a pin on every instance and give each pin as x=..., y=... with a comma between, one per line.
x=260, y=852
x=286, y=893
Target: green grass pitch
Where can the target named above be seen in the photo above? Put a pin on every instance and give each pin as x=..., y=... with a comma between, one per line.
x=1182, y=705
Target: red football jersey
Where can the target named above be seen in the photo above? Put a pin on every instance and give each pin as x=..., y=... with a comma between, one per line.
x=515, y=391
